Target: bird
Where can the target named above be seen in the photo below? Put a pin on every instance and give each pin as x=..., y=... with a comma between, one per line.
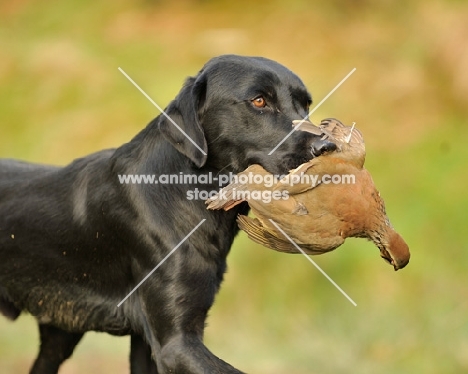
x=316, y=213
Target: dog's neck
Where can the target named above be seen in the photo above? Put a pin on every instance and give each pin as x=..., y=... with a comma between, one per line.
x=149, y=153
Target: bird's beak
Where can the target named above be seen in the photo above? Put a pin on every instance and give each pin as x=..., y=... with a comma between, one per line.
x=397, y=252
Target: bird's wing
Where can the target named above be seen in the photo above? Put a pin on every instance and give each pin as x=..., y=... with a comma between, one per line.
x=264, y=236
x=275, y=240
x=305, y=177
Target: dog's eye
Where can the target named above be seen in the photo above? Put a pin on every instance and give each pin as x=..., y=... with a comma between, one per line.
x=259, y=102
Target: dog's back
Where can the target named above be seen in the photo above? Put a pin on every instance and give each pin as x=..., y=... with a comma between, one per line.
x=14, y=171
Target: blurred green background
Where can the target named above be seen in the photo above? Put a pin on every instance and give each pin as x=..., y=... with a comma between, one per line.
x=61, y=97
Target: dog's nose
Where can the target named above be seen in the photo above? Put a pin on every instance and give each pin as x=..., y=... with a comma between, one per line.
x=320, y=146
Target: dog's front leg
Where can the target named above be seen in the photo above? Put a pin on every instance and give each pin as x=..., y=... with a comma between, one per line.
x=185, y=353
x=141, y=361
x=176, y=316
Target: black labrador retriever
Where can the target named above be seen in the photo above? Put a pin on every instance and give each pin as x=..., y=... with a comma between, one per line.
x=75, y=241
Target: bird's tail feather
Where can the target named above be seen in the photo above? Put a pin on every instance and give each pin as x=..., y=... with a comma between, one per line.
x=227, y=198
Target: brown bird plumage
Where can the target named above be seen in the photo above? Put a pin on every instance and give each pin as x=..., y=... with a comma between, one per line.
x=317, y=217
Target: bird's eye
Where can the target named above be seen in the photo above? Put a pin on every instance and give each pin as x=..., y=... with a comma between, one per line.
x=259, y=102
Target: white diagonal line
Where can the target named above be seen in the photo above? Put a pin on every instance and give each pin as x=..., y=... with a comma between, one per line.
x=312, y=111
x=162, y=111
x=161, y=262
x=312, y=261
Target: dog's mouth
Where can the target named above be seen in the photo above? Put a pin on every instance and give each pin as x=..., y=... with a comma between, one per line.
x=318, y=143
x=304, y=152
x=299, y=148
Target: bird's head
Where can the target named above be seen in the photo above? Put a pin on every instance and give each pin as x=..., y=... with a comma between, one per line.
x=380, y=231
x=394, y=249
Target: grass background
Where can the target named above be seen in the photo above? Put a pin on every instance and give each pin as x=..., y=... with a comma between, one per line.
x=61, y=97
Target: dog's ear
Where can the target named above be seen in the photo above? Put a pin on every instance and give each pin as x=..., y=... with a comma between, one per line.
x=183, y=129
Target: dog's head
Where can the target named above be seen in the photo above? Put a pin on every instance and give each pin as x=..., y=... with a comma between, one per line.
x=237, y=110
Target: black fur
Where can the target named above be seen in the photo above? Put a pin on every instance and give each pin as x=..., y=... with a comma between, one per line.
x=74, y=241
